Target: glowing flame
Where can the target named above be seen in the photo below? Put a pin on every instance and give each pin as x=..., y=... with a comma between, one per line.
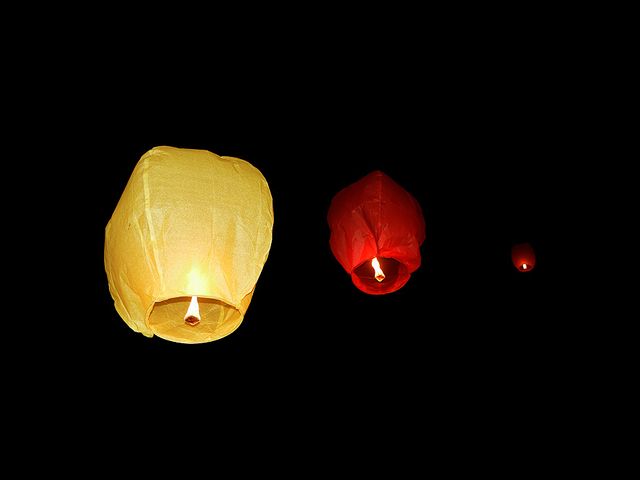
x=193, y=313
x=376, y=266
x=524, y=266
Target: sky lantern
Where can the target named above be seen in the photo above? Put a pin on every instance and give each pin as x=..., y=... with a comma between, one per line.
x=377, y=228
x=523, y=256
x=186, y=244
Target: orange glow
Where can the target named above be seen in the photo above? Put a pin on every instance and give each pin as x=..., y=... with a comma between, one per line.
x=523, y=257
x=193, y=312
x=376, y=266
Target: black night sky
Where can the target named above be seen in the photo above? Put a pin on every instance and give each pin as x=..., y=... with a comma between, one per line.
x=483, y=172
x=482, y=134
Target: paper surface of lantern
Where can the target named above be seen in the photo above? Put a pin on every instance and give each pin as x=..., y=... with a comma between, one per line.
x=376, y=221
x=188, y=224
x=523, y=256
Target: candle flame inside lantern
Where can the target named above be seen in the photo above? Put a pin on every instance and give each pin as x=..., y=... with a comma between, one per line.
x=376, y=266
x=524, y=266
x=193, y=312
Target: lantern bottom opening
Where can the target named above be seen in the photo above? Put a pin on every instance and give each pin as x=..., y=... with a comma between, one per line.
x=396, y=275
x=217, y=319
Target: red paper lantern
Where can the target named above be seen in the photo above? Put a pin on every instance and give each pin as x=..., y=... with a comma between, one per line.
x=523, y=256
x=377, y=228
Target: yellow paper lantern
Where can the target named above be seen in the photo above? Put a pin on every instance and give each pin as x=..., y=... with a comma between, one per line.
x=191, y=232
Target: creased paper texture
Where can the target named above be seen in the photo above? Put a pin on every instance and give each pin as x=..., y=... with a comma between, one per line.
x=376, y=218
x=189, y=223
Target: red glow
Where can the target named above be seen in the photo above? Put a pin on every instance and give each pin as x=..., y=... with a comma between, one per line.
x=523, y=257
x=375, y=218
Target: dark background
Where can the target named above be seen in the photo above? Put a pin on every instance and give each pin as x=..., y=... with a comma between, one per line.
x=484, y=166
x=500, y=121
x=469, y=344
x=482, y=128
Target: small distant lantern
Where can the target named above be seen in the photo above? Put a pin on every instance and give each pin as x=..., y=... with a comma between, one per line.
x=186, y=244
x=377, y=228
x=523, y=256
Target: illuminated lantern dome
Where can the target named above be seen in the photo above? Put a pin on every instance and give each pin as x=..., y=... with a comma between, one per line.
x=186, y=244
x=377, y=228
x=523, y=256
